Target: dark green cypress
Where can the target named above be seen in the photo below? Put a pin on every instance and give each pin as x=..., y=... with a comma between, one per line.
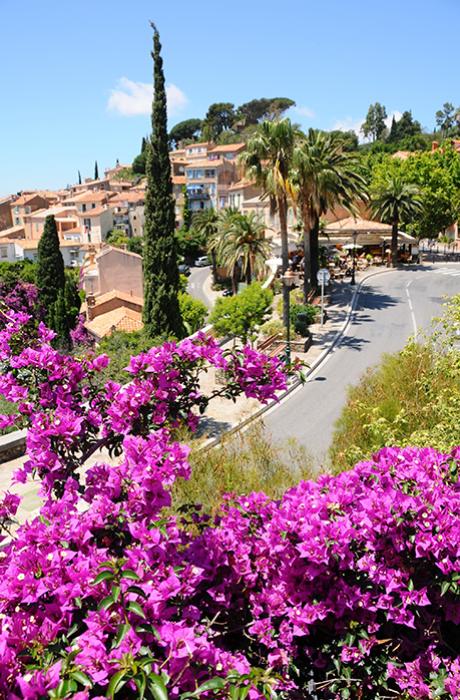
x=161, y=276
x=79, y=178
x=186, y=213
x=60, y=322
x=50, y=265
x=96, y=171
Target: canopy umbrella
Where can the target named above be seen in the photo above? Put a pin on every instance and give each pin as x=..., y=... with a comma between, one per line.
x=352, y=246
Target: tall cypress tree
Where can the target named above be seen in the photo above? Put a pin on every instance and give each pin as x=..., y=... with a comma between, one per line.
x=79, y=178
x=186, y=213
x=50, y=265
x=161, y=276
x=96, y=171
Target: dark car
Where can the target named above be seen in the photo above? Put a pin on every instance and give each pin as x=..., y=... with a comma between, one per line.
x=227, y=293
x=184, y=269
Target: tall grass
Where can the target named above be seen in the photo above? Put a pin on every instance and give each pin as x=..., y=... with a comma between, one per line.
x=412, y=398
x=243, y=462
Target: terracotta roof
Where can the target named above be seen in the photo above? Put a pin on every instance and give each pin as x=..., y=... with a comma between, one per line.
x=108, y=249
x=97, y=196
x=208, y=144
x=121, y=319
x=97, y=211
x=116, y=294
x=228, y=148
x=403, y=155
x=13, y=231
x=206, y=163
x=130, y=196
x=179, y=179
x=33, y=245
x=242, y=184
x=25, y=198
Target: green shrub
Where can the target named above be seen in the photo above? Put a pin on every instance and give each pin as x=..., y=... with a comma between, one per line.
x=240, y=315
x=412, y=398
x=120, y=347
x=271, y=327
x=193, y=312
x=302, y=315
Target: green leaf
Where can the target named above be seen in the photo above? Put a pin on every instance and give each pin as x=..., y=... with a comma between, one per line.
x=115, y=592
x=157, y=687
x=122, y=631
x=445, y=587
x=141, y=685
x=212, y=684
x=136, y=608
x=129, y=573
x=82, y=678
x=116, y=682
x=104, y=576
x=106, y=603
x=137, y=590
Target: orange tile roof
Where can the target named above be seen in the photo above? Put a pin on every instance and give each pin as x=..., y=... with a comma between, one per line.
x=242, y=184
x=206, y=163
x=117, y=294
x=25, y=198
x=97, y=211
x=13, y=232
x=97, y=196
x=107, y=248
x=208, y=144
x=228, y=148
x=129, y=196
x=179, y=179
x=121, y=319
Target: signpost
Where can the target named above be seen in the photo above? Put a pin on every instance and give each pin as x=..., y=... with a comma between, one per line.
x=323, y=278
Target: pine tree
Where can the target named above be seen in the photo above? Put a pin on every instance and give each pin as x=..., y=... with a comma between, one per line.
x=186, y=213
x=161, y=275
x=96, y=171
x=79, y=178
x=50, y=265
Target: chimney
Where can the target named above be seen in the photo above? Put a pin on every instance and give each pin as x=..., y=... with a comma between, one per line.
x=90, y=304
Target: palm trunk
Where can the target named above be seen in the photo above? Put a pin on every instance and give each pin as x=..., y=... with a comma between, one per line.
x=306, y=263
x=214, y=266
x=282, y=213
x=248, y=273
x=394, y=243
x=235, y=279
x=314, y=252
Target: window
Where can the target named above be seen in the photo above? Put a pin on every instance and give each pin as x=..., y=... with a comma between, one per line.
x=27, y=210
x=83, y=207
x=17, y=221
x=16, y=210
x=87, y=223
x=93, y=206
x=3, y=252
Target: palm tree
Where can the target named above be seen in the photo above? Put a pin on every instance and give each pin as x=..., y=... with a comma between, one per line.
x=206, y=222
x=393, y=201
x=244, y=241
x=267, y=161
x=217, y=242
x=324, y=176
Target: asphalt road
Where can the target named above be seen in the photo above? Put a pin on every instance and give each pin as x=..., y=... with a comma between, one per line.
x=198, y=276
x=390, y=308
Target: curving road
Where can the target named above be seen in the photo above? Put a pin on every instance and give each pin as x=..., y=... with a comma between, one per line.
x=390, y=308
x=197, y=287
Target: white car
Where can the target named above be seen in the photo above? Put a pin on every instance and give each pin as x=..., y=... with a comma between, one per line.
x=202, y=262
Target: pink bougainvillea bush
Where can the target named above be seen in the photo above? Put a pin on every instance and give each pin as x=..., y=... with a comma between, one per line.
x=345, y=588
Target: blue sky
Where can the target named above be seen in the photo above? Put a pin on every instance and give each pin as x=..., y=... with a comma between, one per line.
x=75, y=75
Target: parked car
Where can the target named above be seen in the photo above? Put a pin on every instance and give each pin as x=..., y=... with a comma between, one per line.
x=203, y=261
x=184, y=269
x=227, y=293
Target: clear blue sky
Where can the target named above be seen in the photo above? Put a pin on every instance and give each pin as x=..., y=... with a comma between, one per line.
x=73, y=72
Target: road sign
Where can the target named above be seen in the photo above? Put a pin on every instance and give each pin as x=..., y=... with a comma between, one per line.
x=323, y=276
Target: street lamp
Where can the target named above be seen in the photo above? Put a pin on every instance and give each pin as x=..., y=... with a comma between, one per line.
x=289, y=280
x=353, y=269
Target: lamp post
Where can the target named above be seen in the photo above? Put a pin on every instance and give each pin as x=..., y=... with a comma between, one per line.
x=289, y=280
x=353, y=269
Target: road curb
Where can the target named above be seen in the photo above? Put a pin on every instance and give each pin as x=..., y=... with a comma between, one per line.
x=315, y=364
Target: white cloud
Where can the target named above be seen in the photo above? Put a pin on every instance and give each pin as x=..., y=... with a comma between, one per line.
x=349, y=124
x=304, y=112
x=132, y=98
x=396, y=114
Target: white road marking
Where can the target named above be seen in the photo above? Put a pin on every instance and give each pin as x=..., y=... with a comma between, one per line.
x=411, y=309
